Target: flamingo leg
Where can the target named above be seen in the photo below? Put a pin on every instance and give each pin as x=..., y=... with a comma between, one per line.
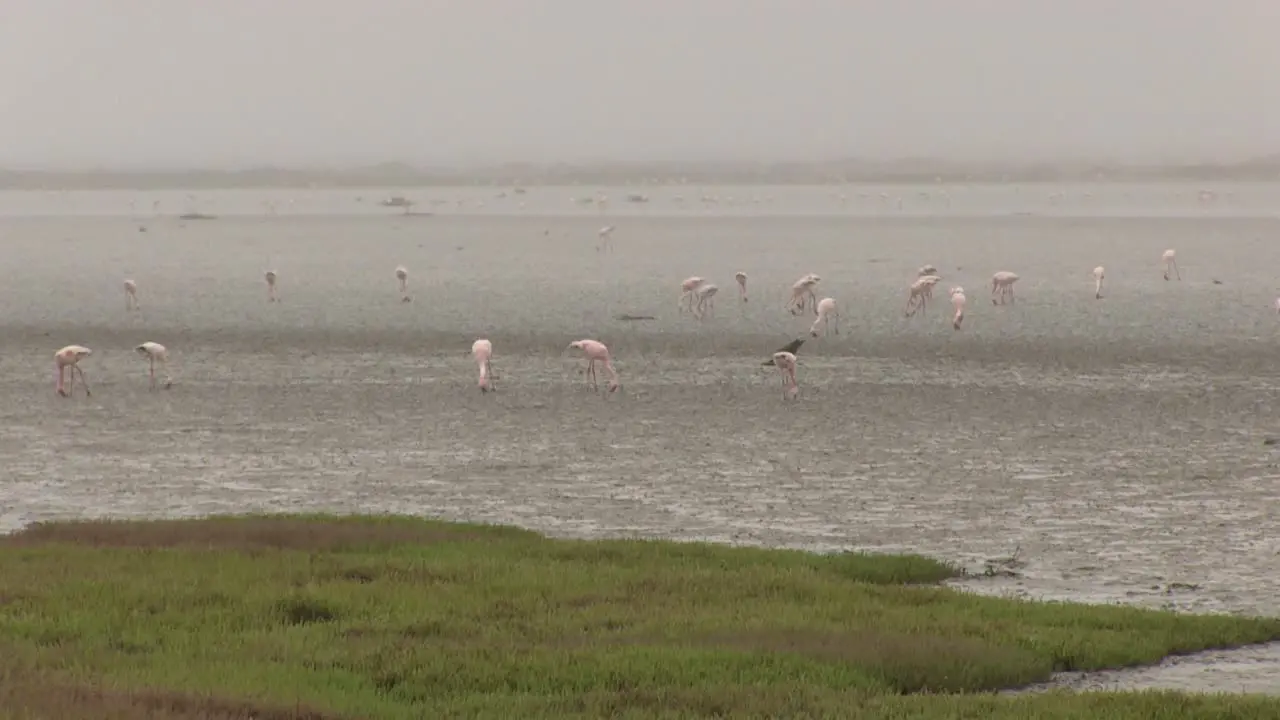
x=83, y=379
x=60, y=382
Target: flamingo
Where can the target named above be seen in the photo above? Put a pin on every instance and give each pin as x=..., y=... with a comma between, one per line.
x=482, y=350
x=131, y=296
x=596, y=352
x=403, y=276
x=786, y=364
x=1002, y=282
x=802, y=293
x=604, y=234
x=957, y=301
x=1099, y=273
x=70, y=357
x=156, y=353
x=687, y=290
x=827, y=314
x=919, y=293
x=741, y=277
x=270, y=275
x=1170, y=263
x=706, y=295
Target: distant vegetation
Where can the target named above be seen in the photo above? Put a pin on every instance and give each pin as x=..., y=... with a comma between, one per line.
x=382, y=617
x=920, y=170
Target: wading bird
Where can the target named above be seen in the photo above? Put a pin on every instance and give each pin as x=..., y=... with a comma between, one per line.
x=131, y=295
x=68, y=358
x=957, y=301
x=1002, y=283
x=802, y=294
x=403, y=276
x=482, y=350
x=597, y=352
x=1099, y=273
x=1170, y=263
x=270, y=275
x=786, y=364
x=741, y=277
x=920, y=292
x=155, y=353
x=706, y=294
x=688, y=289
x=827, y=316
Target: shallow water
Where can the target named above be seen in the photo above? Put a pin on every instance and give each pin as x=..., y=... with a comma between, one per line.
x=1115, y=446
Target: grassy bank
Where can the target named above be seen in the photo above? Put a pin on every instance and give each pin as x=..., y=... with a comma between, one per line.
x=316, y=617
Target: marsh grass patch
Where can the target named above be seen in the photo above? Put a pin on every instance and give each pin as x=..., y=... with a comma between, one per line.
x=404, y=618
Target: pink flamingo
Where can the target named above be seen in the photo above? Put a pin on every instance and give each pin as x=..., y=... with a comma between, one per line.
x=270, y=275
x=131, y=296
x=1002, y=282
x=786, y=364
x=957, y=301
x=827, y=315
x=1170, y=263
x=802, y=293
x=919, y=293
x=482, y=350
x=706, y=300
x=687, y=290
x=741, y=277
x=403, y=276
x=156, y=353
x=1099, y=273
x=596, y=352
x=70, y=357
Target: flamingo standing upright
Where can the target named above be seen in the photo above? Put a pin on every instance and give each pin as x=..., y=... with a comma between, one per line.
x=827, y=316
x=403, y=276
x=270, y=275
x=482, y=351
x=920, y=292
x=156, y=353
x=596, y=351
x=741, y=277
x=1099, y=273
x=786, y=364
x=69, y=357
x=688, y=289
x=706, y=294
x=1002, y=283
x=131, y=296
x=1170, y=263
x=802, y=294
x=958, y=301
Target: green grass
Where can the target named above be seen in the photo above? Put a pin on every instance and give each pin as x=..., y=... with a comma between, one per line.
x=403, y=618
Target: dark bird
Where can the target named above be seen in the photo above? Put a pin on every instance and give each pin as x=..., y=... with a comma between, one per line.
x=792, y=347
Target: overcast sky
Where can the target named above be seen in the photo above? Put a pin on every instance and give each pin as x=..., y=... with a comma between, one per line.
x=230, y=83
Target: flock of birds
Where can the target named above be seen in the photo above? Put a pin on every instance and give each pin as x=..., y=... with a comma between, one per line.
x=697, y=298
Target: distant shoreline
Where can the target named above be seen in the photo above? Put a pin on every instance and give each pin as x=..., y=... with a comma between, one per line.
x=641, y=174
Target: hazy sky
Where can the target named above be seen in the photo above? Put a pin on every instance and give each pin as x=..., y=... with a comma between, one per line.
x=229, y=83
